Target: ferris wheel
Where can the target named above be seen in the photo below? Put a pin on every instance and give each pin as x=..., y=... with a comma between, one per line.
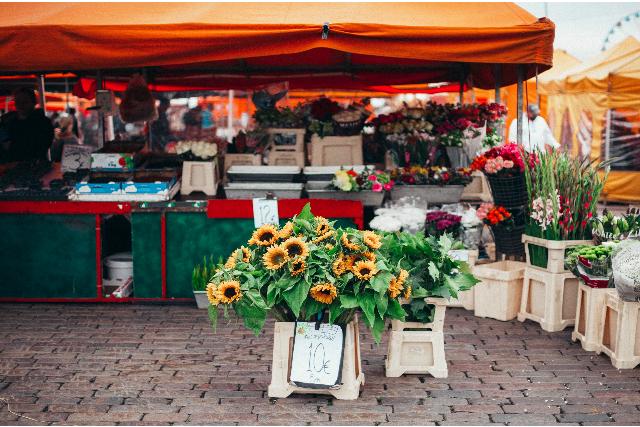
x=629, y=25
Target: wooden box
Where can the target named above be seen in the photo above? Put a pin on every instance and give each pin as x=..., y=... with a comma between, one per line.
x=498, y=294
x=419, y=350
x=589, y=316
x=283, y=139
x=549, y=299
x=555, y=249
x=336, y=150
x=620, y=336
x=478, y=189
x=352, y=376
x=200, y=176
x=465, y=298
x=231, y=159
x=286, y=158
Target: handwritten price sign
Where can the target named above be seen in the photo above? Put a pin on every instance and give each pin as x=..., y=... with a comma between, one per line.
x=265, y=211
x=317, y=355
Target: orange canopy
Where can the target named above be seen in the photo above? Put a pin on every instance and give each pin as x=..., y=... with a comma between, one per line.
x=236, y=45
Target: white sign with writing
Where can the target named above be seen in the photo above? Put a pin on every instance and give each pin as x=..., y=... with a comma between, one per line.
x=265, y=211
x=317, y=355
x=459, y=255
x=75, y=157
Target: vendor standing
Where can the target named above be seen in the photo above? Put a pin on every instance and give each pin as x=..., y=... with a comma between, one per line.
x=536, y=134
x=28, y=131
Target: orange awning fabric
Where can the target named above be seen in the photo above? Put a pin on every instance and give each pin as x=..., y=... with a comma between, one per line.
x=241, y=45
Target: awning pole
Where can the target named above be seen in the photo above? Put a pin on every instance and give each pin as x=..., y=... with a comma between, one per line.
x=230, y=117
x=520, y=72
x=607, y=136
x=100, y=113
x=66, y=92
x=461, y=95
x=43, y=101
x=497, y=72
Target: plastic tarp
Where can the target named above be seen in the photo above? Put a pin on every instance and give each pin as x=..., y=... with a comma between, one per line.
x=240, y=45
x=594, y=111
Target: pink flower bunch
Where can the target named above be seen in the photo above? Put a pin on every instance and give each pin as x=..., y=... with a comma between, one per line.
x=483, y=210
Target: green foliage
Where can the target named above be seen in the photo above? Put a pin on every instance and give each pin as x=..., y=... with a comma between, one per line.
x=202, y=273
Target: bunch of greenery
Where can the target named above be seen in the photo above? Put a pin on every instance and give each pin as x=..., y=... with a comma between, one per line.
x=308, y=270
x=202, y=272
x=433, y=272
x=285, y=117
x=611, y=227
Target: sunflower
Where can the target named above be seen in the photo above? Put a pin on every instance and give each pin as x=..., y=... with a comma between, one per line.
x=275, y=257
x=246, y=254
x=322, y=226
x=402, y=277
x=407, y=292
x=323, y=237
x=229, y=292
x=349, y=261
x=349, y=245
x=266, y=235
x=395, y=288
x=364, y=270
x=297, y=267
x=324, y=293
x=371, y=239
x=212, y=294
x=338, y=266
x=296, y=247
x=369, y=256
x=286, y=231
x=231, y=261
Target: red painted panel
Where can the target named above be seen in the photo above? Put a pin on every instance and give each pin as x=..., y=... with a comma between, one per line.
x=61, y=207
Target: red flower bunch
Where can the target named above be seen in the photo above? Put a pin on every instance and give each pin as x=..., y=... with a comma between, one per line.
x=323, y=109
x=497, y=215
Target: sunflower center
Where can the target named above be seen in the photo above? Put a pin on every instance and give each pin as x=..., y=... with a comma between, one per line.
x=295, y=249
x=266, y=236
x=230, y=292
x=325, y=292
x=278, y=258
x=365, y=271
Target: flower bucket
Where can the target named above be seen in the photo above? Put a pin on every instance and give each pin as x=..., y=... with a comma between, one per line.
x=457, y=157
x=510, y=192
x=499, y=293
x=352, y=377
x=509, y=241
x=367, y=197
x=430, y=194
x=201, y=299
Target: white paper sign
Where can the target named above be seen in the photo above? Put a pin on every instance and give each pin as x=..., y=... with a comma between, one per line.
x=265, y=211
x=459, y=255
x=317, y=355
x=75, y=157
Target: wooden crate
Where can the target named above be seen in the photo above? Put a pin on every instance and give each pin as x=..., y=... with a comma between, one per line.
x=199, y=176
x=555, y=249
x=286, y=158
x=336, y=150
x=499, y=293
x=620, y=334
x=352, y=376
x=419, y=350
x=549, y=299
x=280, y=139
x=231, y=159
x=478, y=189
x=589, y=316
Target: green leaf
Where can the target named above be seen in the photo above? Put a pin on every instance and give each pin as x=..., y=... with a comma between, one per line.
x=376, y=329
x=273, y=292
x=305, y=213
x=445, y=243
x=252, y=316
x=368, y=304
x=380, y=283
x=349, y=301
x=213, y=316
x=434, y=272
x=395, y=310
x=256, y=298
x=419, y=293
x=465, y=281
x=382, y=301
x=335, y=310
x=296, y=296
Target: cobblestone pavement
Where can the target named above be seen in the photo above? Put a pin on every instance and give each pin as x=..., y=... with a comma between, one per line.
x=126, y=364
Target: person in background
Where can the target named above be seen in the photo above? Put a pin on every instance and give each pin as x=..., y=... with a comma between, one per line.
x=76, y=129
x=160, y=131
x=63, y=135
x=536, y=135
x=207, y=119
x=29, y=131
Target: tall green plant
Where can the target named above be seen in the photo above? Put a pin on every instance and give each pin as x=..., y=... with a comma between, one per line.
x=202, y=272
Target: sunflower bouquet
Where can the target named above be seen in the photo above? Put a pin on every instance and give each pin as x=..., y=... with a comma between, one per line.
x=309, y=270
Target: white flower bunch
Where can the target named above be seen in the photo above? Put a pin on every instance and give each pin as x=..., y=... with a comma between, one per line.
x=546, y=211
x=396, y=218
x=470, y=218
x=202, y=149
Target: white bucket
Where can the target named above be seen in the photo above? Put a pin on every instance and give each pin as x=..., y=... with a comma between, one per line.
x=119, y=267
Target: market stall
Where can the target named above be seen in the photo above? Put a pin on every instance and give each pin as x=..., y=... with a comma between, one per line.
x=230, y=46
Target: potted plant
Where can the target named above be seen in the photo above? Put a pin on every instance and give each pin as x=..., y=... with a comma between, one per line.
x=199, y=280
x=416, y=345
x=368, y=186
x=309, y=270
x=506, y=228
x=432, y=185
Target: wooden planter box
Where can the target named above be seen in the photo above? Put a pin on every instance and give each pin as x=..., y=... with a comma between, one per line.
x=549, y=299
x=336, y=150
x=555, y=251
x=241, y=160
x=283, y=139
x=465, y=298
x=589, y=317
x=367, y=197
x=202, y=302
x=430, y=194
x=478, y=189
x=620, y=336
x=499, y=293
x=253, y=190
x=200, y=176
x=418, y=348
x=286, y=158
x=352, y=376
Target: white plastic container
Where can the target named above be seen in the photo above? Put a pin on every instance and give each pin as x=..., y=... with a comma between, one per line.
x=119, y=267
